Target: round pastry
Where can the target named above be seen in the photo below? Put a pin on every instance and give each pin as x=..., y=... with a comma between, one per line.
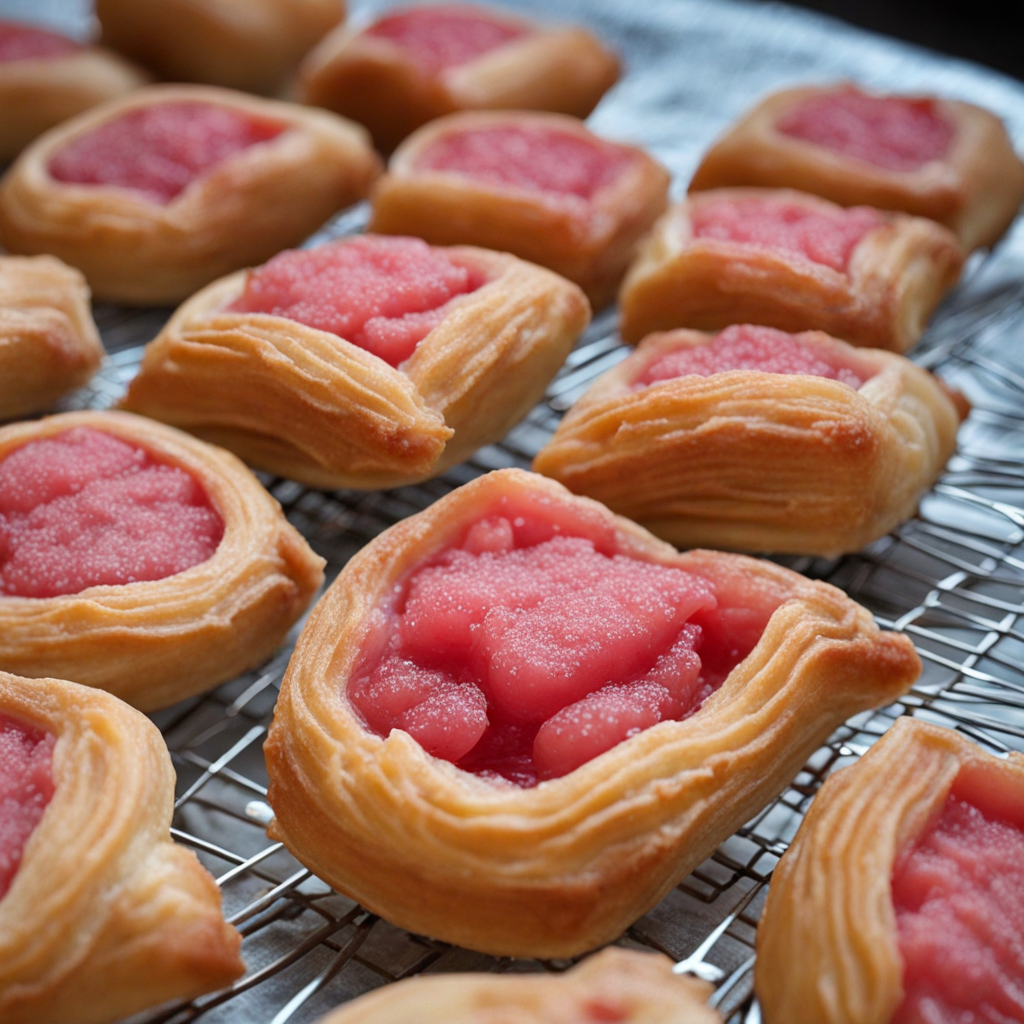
x=903, y=890
x=952, y=162
x=412, y=65
x=793, y=261
x=758, y=440
x=254, y=47
x=101, y=915
x=139, y=560
x=45, y=78
x=616, y=985
x=49, y=344
x=540, y=186
x=516, y=721
x=157, y=194
x=370, y=362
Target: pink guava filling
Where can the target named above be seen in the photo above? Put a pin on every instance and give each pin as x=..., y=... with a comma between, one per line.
x=446, y=36
x=534, y=646
x=748, y=347
x=26, y=786
x=958, y=892
x=84, y=508
x=821, y=236
x=384, y=294
x=533, y=158
x=160, y=149
x=27, y=42
x=893, y=132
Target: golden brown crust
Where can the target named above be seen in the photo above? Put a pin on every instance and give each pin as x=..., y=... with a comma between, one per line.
x=37, y=94
x=831, y=895
x=313, y=407
x=253, y=47
x=105, y=916
x=156, y=642
x=896, y=276
x=374, y=82
x=590, y=242
x=241, y=212
x=615, y=984
x=758, y=461
x=975, y=190
x=49, y=344
x=563, y=867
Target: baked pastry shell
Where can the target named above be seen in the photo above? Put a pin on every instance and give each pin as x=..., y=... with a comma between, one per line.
x=156, y=642
x=242, y=211
x=640, y=986
x=105, y=916
x=254, y=48
x=38, y=93
x=308, y=405
x=374, y=81
x=975, y=189
x=758, y=461
x=591, y=242
x=49, y=344
x=831, y=894
x=567, y=865
x=896, y=275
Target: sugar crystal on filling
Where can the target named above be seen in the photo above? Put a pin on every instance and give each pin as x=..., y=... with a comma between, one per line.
x=84, y=508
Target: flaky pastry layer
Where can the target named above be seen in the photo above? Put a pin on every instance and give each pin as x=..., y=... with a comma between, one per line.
x=758, y=461
x=831, y=894
x=896, y=276
x=567, y=865
x=591, y=242
x=105, y=916
x=242, y=211
x=156, y=642
x=49, y=344
x=564, y=69
x=313, y=407
x=975, y=189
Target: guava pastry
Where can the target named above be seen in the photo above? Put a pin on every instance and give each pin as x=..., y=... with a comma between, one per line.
x=254, y=47
x=412, y=65
x=49, y=344
x=45, y=78
x=366, y=363
x=101, y=915
x=793, y=261
x=157, y=194
x=137, y=559
x=950, y=161
x=615, y=985
x=903, y=891
x=758, y=440
x=516, y=721
x=540, y=186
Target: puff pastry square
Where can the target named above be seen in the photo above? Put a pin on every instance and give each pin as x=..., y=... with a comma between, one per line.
x=149, y=637
x=46, y=78
x=540, y=186
x=559, y=867
x=758, y=440
x=157, y=194
x=793, y=261
x=902, y=890
x=950, y=161
x=306, y=403
x=415, y=64
x=49, y=344
x=614, y=985
x=104, y=916
x=255, y=47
